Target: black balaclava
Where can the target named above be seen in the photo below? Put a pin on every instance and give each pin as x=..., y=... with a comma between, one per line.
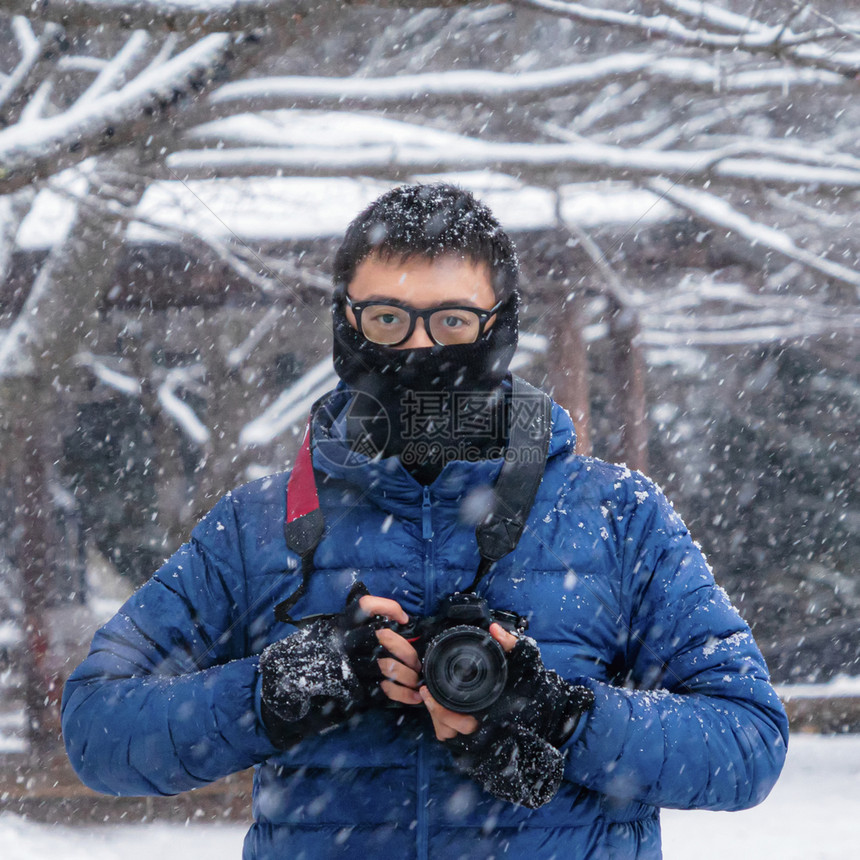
x=428, y=405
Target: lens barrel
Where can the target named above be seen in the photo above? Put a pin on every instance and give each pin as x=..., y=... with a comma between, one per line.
x=465, y=669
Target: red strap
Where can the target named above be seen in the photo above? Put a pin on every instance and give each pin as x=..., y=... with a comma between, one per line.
x=302, y=495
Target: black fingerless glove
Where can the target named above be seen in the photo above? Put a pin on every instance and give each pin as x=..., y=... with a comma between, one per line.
x=358, y=630
x=308, y=684
x=538, y=698
x=515, y=754
x=322, y=675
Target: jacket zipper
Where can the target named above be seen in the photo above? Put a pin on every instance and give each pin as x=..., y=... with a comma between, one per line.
x=423, y=844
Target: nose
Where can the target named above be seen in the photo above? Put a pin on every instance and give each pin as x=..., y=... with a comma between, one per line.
x=419, y=337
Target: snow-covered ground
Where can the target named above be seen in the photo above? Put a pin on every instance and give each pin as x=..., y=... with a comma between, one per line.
x=811, y=815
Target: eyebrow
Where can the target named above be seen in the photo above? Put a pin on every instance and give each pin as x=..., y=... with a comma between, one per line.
x=465, y=303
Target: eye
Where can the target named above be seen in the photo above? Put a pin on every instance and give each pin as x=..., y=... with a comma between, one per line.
x=385, y=318
x=456, y=319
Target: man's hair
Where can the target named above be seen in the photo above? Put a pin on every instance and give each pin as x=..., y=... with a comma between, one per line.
x=429, y=221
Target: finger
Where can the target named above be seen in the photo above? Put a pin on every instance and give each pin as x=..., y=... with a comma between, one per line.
x=447, y=723
x=399, y=648
x=394, y=670
x=396, y=693
x=391, y=609
x=506, y=639
x=442, y=732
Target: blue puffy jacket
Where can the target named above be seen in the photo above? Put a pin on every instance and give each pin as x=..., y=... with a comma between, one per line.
x=619, y=598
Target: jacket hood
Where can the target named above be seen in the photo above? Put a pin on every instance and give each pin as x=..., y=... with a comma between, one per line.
x=386, y=480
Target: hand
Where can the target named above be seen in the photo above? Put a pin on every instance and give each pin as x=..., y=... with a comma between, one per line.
x=305, y=685
x=449, y=724
x=538, y=699
x=515, y=753
x=401, y=670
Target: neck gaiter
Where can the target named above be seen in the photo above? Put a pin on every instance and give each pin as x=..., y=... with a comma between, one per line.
x=427, y=406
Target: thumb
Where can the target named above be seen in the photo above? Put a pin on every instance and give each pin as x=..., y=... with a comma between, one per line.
x=507, y=640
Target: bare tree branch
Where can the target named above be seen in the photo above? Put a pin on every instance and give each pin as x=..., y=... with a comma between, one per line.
x=809, y=213
x=716, y=17
x=115, y=73
x=752, y=336
x=35, y=63
x=122, y=382
x=705, y=291
x=81, y=63
x=670, y=320
x=777, y=41
x=24, y=35
x=611, y=283
x=609, y=101
x=716, y=211
x=560, y=162
x=195, y=18
x=851, y=33
x=184, y=416
x=486, y=87
x=47, y=146
x=38, y=104
x=13, y=213
x=689, y=129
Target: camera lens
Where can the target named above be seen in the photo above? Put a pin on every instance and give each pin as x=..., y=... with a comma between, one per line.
x=465, y=669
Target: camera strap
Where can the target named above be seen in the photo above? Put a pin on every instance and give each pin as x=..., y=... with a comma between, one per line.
x=304, y=523
x=530, y=429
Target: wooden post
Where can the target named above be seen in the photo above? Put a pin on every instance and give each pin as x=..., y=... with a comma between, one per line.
x=35, y=532
x=568, y=369
x=628, y=382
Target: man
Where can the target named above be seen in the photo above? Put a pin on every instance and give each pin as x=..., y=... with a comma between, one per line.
x=638, y=685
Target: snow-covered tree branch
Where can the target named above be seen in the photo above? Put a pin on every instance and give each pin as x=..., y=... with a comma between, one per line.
x=113, y=118
x=485, y=87
x=535, y=162
x=733, y=33
x=38, y=56
x=716, y=211
x=197, y=17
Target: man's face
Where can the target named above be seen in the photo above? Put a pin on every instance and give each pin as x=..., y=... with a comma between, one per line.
x=422, y=283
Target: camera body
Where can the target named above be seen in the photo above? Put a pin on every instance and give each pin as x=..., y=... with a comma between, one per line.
x=464, y=668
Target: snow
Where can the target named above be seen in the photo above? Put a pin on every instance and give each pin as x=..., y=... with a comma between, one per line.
x=291, y=407
x=45, y=136
x=23, y=840
x=12, y=730
x=811, y=815
x=488, y=87
x=717, y=211
x=289, y=208
x=607, y=203
x=840, y=686
x=112, y=378
x=184, y=415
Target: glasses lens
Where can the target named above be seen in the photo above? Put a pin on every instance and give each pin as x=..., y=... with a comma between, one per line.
x=384, y=324
x=454, y=325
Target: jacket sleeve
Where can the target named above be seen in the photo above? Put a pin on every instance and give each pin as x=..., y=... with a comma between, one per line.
x=695, y=724
x=167, y=698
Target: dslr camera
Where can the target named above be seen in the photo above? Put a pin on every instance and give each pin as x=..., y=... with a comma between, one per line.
x=464, y=668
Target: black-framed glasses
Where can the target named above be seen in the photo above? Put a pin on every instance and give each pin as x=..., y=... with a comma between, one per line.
x=391, y=323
